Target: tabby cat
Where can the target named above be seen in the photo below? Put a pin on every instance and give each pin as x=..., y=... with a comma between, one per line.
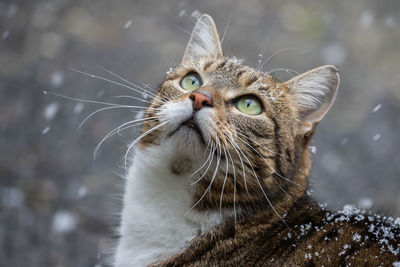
x=220, y=172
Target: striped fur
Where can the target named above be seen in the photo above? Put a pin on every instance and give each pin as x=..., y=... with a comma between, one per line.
x=258, y=173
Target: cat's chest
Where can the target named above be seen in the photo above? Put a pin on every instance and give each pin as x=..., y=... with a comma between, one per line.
x=156, y=222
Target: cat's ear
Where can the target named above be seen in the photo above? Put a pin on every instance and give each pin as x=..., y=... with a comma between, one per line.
x=314, y=93
x=204, y=41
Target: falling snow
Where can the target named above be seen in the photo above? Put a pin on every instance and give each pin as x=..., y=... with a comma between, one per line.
x=46, y=130
x=237, y=60
x=79, y=107
x=64, y=222
x=182, y=13
x=196, y=14
x=313, y=149
x=367, y=18
x=57, y=78
x=82, y=191
x=128, y=24
x=389, y=21
x=376, y=137
x=5, y=35
x=377, y=108
x=50, y=111
x=365, y=203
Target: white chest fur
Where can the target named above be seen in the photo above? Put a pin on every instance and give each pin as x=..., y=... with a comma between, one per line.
x=155, y=219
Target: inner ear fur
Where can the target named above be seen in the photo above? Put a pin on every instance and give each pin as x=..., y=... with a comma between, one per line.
x=204, y=40
x=314, y=93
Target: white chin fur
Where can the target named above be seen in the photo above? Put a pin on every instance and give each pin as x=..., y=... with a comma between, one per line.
x=155, y=222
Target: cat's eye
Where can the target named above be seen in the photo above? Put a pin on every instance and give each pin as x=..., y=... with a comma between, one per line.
x=191, y=82
x=249, y=105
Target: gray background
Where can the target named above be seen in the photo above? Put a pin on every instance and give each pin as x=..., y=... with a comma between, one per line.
x=58, y=209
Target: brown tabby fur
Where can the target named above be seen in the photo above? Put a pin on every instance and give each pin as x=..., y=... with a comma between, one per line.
x=277, y=223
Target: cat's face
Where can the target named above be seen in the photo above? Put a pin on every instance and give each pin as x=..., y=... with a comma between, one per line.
x=243, y=134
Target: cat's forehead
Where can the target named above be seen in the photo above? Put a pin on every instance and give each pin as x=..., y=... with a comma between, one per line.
x=227, y=73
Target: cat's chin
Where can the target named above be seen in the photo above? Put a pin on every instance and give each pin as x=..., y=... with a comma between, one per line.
x=187, y=141
x=189, y=136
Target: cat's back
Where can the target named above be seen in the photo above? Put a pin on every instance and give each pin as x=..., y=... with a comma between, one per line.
x=349, y=237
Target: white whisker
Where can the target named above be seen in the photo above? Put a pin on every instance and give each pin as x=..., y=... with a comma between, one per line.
x=236, y=147
x=278, y=52
x=114, y=82
x=128, y=82
x=269, y=165
x=139, y=138
x=98, y=102
x=226, y=176
x=212, y=179
x=262, y=189
x=117, y=130
x=205, y=162
x=234, y=185
x=212, y=157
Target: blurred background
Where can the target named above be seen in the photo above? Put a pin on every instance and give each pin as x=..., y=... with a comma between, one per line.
x=59, y=207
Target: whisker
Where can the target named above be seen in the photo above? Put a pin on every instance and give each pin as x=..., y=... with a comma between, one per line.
x=182, y=29
x=128, y=82
x=117, y=130
x=269, y=165
x=97, y=102
x=191, y=18
x=223, y=185
x=139, y=138
x=94, y=113
x=132, y=97
x=212, y=179
x=226, y=27
x=263, y=52
x=241, y=132
x=234, y=185
x=209, y=155
x=201, y=177
x=278, y=52
x=235, y=147
x=262, y=189
x=283, y=190
x=114, y=82
x=282, y=69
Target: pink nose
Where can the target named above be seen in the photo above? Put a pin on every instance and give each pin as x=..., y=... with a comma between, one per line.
x=200, y=99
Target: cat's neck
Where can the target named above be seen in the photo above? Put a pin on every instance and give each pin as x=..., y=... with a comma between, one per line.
x=157, y=220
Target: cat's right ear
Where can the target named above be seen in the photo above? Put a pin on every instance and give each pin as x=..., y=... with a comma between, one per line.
x=314, y=93
x=204, y=41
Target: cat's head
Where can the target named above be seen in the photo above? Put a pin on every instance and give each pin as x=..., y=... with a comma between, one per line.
x=243, y=134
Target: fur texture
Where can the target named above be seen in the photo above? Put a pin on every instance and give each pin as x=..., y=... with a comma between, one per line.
x=216, y=186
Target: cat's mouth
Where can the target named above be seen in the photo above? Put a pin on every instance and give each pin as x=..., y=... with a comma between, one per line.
x=192, y=125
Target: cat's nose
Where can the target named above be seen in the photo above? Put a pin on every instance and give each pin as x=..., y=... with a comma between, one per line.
x=201, y=98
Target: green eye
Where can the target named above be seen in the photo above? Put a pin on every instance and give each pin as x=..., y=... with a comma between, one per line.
x=249, y=105
x=191, y=82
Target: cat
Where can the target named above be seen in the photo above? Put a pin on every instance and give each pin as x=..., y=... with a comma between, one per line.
x=220, y=172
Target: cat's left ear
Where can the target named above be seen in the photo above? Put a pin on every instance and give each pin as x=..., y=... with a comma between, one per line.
x=314, y=93
x=204, y=41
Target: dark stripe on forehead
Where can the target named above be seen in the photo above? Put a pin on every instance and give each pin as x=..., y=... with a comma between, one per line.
x=207, y=65
x=220, y=66
x=239, y=73
x=251, y=80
